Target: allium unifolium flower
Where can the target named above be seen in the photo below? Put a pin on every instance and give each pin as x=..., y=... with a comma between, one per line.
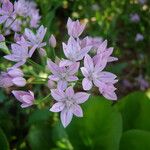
x=12, y=77
x=105, y=53
x=6, y=11
x=68, y=104
x=26, y=98
x=94, y=74
x=62, y=75
x=19, y=54
x=35, y=40
x=75, y=28
x=73, y=52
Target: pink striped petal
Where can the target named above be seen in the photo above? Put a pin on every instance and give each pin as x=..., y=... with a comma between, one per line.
x=81, y=97
x=66, y=117
x=57, y=107
x=87, y=84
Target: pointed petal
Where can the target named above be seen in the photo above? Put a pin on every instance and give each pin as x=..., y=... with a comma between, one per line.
x=15, y=72
x=70, y=92
x=62, y=85
x=87, y=84
x=88, y=63
x=66, y=117
x=85, y=72
x=53, y=77
x=53, y=67
x=30, y=35
x=81, y=97
x=19, y=81
x=58, y=95
x=57, y=107
x=71, y=78
x=77, y=110
x=73, y=68
x=83, y=52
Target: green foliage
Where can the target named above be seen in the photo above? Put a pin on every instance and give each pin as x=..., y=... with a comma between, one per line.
x=100, y=128
x=135, y=140
x=3, y=141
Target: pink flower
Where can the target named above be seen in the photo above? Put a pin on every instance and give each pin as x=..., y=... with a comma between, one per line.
x=52, y=41
x=93, y=74
x=105, y=53
x=6, y=11
x=62, y=75
x=19, y=54
x=26, y=98
x=68, y=103
x=12, y=77
x=75, y=28
x=73, y=52
x=35, y=40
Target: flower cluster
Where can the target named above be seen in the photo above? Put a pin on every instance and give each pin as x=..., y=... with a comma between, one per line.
x=16, y=17
x=84, y=62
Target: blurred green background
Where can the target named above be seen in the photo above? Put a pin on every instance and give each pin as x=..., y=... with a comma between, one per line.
x=123, y=125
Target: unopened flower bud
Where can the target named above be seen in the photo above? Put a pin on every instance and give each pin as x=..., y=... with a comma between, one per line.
x=42, y=52
x=52, y=41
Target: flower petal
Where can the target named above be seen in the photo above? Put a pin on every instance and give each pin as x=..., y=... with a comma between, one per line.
x=69, y=92
x=19, y=81
x=66, y=117
x=81, y=97
x=57, y=107
x=77, y=110
x=87, y=84
x=88, y=63
x=58, y=95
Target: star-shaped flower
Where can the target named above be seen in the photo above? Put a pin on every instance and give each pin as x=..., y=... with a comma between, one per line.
x=68, y=103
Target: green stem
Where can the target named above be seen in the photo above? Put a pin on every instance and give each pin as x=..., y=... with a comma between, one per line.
x=44, y=99
x=36, y=64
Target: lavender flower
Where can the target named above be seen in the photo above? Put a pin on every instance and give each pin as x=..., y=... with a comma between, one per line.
x=104, y=53
x=12, y=77
x=6, y=11
x=35, y=40
x=19, y=54
x=26, y=98
x=63, y=75
x=93, y=74
x=135, y=18
x=75, y=28
x=139, y=37
x=73, y=52
x=68, y=103
x=142, y=1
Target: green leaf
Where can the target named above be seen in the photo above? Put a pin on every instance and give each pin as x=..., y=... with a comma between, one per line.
x=4, y=48
x=100, y=128
x=135, y=110
x=39, y=137
x=135, y=140
x=3, y=141
x=39, y=116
